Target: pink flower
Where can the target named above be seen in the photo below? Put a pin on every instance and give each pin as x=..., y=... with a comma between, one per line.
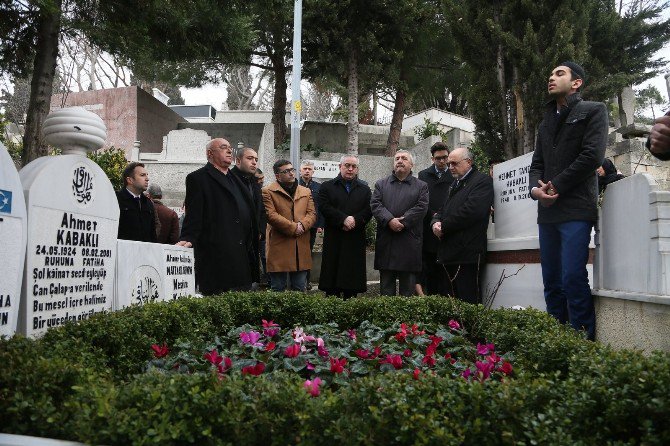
x=485, y=368
x=493, y=358
x=312, y=386
x=466, y=373
x=337, y=365
x=352, y=334
x=416, y=373
x=254, y=370
x=310, y=366
x=362, y=354
x=270, y=346
x=322, y=351
x=251, y=338
x=428, y=360
x=227, y=364
x=213, y=357
x=454, y=325
x=407, y=352
x=506, y=368
x=160, y=351
x=484, y=349
x=292, y=351
x=270, y=329
x=394, y=360
x=269, y=324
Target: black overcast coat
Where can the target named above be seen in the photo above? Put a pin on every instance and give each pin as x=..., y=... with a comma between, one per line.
x=465, y=219
x=212, y=224
x=568, y=155
x=343, y=259
x=135, y=223
x=438, y=189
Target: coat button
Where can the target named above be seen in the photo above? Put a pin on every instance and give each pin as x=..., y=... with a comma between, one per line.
x=237, y=220
x=240, y=242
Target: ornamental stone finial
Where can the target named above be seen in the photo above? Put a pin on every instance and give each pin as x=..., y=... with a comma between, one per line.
x=74, y=130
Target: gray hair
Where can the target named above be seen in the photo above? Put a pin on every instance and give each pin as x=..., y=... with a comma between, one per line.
x=155, y=191
x=467, y=154
x=409, y=155
x=343, y=157
x=307, y=163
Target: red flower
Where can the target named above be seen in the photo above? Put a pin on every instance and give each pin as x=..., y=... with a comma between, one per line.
x=402, y=334
x=407, y=352
x=454, y=325
x=493, y=358
x=322, y=351
x=292, y=351
x=430, y=350
x=254, y=370
x=506, y=368
x=377, y=351
x=485, y=368
x=213, y=357
x=270, y=346
x=227, y=363
x=394, y=360
x=160, y=351
x=362, y=354
x=429, y=361
x=415, y=330
x=337, y=365
x=435, y=340
x=269, y=324
x=448, y=356
x=416, y=373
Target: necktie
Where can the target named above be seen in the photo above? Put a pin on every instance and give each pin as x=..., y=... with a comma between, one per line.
x=139, y=203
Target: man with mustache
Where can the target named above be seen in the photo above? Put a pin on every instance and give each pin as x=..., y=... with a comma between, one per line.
x=399, y=204
x=570, y=147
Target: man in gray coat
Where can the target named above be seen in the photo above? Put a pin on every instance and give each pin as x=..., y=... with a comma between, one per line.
x=399, y=203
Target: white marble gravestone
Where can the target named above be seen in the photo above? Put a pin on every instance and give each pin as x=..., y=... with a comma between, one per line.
x=73, y=217
x=13, y=233
x=152, y=272
x=515, y=211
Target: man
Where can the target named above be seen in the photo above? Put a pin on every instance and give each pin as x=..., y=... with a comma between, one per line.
x=659, y=139
x=137, y=220
x=290, y=215
x=220, y=224
x=306, y=174
x=399, y=204
x=169, y=220
x=345, y=204
x=438, y=179
x=262, y=227
x=570, y=147
x=461, y=227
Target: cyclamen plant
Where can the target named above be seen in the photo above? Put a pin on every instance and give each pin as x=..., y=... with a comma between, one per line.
x=326, y=356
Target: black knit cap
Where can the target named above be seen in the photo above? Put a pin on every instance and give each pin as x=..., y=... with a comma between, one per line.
x=576, y=69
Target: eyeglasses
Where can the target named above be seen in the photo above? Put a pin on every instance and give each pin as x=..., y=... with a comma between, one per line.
x=440, y=158
x=287, y=171
x=350, y=166
x=454, y=164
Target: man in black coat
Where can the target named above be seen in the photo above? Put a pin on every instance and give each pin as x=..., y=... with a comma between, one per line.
x=137, y=219
x=570, y=147
x=306, y=174
x=220, y=224
x=461, y=227
x=437, y=177
x=345, y=205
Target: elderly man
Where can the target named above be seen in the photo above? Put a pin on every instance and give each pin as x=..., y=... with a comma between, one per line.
x=461, y=227
x=290, y=215
x=399, y=204
x=220, y=224
x=169, y=220
x=137, y=220
x=570, y=147
x=438, y=179
x=345, y=204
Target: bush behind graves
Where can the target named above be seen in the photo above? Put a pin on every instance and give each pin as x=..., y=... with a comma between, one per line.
x=86, y=382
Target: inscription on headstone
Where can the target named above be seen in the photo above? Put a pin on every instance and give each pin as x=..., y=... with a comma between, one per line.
x=180, y=275
x=13, y=234
x=515, y=211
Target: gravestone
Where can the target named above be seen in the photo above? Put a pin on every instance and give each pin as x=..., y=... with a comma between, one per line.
x=13, y=234
x=515, y=211
x=152, y=272
x=73, y=218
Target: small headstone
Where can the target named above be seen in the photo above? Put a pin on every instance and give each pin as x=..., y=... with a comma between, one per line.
x=13, y=233
x=515, y=211
x=634, y=131
x=73, y=217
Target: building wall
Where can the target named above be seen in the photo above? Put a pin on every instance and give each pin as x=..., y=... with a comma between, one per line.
x=154, y=120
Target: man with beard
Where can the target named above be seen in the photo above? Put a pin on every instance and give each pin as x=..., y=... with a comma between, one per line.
x=345, y=205
x=220, y=224
x=399, y=203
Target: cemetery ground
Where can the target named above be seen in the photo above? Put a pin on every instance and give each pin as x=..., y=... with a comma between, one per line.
x=188, y=372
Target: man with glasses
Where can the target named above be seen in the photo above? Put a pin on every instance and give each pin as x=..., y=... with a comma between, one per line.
x=220, y=224
x=345, y=204
x=461, y=227
x=290, y=215
x=399, y=203
x=437, y=177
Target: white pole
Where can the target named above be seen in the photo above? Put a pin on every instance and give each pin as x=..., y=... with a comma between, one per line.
x=296, y=104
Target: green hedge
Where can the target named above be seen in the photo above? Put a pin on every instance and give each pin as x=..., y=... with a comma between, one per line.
x=86, y=382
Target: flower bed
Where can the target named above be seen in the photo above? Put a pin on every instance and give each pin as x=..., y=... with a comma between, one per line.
x=88, y=382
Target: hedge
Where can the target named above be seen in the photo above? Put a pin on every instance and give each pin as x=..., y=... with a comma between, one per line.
x=86, y=382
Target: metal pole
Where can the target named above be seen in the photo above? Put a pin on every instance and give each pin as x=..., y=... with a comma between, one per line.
x=296, y=104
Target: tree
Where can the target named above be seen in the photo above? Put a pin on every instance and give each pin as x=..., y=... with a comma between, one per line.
x=646, y=99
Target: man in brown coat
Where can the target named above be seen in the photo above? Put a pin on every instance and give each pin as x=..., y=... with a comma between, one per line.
x=169, y=220
x=290, y=215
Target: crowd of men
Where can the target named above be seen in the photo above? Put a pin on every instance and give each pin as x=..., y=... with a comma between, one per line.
x=431, y=228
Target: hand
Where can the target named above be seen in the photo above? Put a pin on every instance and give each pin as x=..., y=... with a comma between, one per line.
x=299, y=230
x=546, y=194
x=349, y=223
x=660, y=136
x=395, y=225
x=437, y=229
x=184, y=243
